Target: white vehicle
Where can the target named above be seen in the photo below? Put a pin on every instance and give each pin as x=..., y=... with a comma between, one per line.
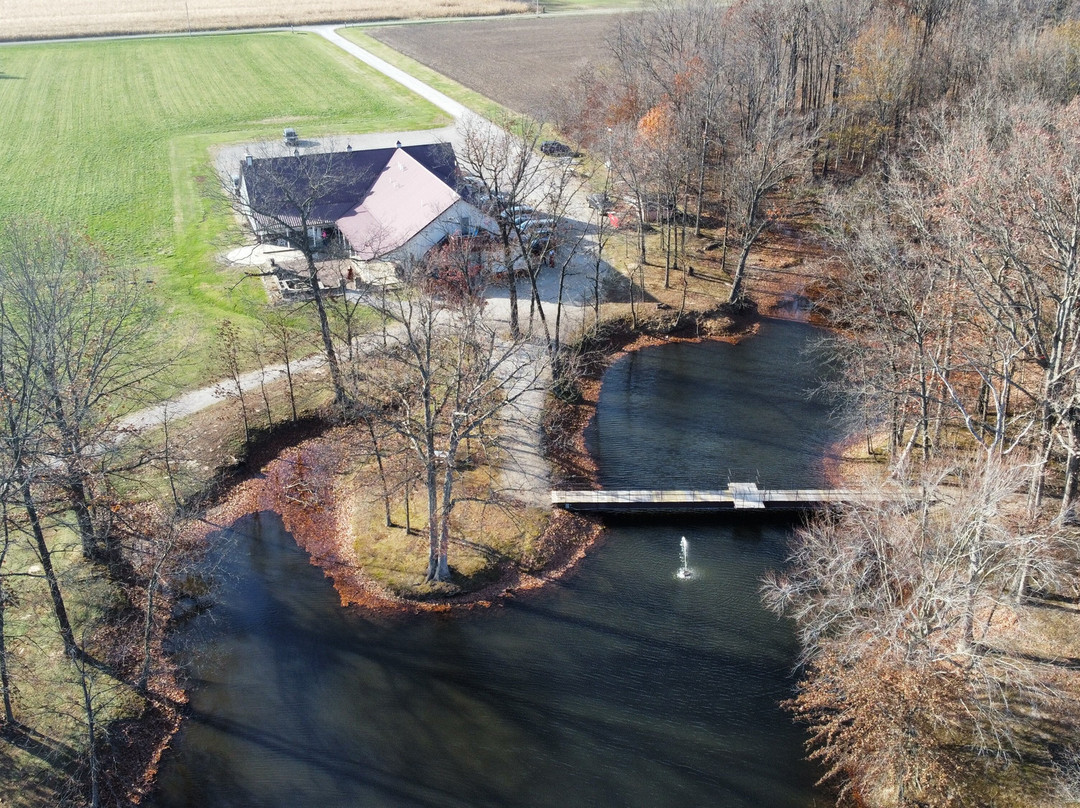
x=533, y=224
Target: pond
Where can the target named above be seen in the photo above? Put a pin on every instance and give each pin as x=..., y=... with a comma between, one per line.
x=621, y=685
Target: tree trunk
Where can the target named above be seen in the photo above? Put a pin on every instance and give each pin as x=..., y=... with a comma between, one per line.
x=439, y=518
x=536, y=303
x=265, y=397
x=740, y=272
x=164, y=543
x=558, y=310
x=327, y=338
x=443, y=571
x=45, y=557
x=435, y=568
x=1072, y=465
x=727, y=226
x=92, y=762
x=5, y=680
x=79, y=503
x=511, y=280
x=148, y=629
x=74, y=484
x=285, y=354
x=382, y=472
x=701, y=175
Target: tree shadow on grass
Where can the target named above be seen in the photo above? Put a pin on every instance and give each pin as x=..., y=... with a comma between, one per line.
x=40, y=746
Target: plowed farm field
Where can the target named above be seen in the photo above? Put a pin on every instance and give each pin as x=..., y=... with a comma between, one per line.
x=520, y=62
x=38, y=19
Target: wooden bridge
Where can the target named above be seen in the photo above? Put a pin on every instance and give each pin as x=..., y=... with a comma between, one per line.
x=736, y=497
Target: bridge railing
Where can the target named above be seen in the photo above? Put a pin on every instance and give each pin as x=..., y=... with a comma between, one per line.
x=698, y=481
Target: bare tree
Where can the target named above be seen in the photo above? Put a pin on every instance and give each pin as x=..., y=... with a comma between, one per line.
x=770, y=152
x=296, y=199
x=1020, y=258
x=7, y=598
x=894, y=603
x=227, y=350
x=88, y=678
x=156, y=549
x=900, y=303
x=504, y=158
x=450, y=375
x=81, y=349
x=284, y=337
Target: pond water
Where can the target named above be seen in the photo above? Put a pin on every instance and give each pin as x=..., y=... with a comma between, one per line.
x=620, y=686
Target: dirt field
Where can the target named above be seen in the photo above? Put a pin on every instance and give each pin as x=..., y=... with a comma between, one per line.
x=518, y=62
x=33, y=19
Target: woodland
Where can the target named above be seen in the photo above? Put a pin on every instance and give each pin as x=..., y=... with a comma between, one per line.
x=936, y=145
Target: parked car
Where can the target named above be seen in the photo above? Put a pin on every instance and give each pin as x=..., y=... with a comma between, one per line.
x=553, y=148
x=542, y=242
x=471, y=185
x=290, y=137
x=491, y=203
x=517, y=212
x=534, y=224
x=600, y=202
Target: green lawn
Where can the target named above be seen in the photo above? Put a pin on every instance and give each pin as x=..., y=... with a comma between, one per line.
x=114, y=137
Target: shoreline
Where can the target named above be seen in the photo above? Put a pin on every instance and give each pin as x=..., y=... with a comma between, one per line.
x=567, y=538
x=260, y=482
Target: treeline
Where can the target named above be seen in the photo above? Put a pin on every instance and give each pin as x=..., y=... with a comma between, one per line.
x=86, y=544
x=938, y=141
x=937, y=144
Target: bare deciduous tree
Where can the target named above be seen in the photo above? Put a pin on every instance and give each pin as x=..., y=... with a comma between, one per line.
x=895, y=604
x=79, y=339
x=7, y=599
x=450, y=375
x=504, y=158
x=227, y=349
x=291, y=199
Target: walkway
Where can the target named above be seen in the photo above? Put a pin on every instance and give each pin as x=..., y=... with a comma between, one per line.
x=736, y=497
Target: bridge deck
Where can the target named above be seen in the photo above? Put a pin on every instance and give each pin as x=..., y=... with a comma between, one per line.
x=737, y=496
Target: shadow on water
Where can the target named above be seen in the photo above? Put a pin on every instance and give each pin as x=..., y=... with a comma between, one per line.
x=621, y=685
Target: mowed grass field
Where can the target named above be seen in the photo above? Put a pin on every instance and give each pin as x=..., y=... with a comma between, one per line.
x=115, y=138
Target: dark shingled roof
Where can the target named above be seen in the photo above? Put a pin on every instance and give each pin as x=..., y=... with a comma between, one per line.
x=324, y=186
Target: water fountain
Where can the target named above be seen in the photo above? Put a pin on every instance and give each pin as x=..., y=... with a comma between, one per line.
x=684, y=570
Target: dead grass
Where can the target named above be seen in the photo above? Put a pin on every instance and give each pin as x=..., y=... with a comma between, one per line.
x=25, y=19
x=1044, y=634
x=330, y=495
